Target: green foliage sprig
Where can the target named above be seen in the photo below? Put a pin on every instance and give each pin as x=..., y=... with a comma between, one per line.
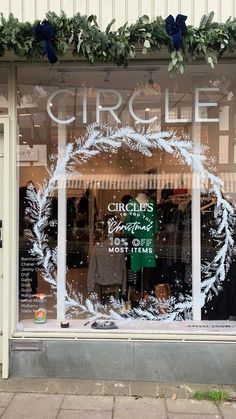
x=82, y=35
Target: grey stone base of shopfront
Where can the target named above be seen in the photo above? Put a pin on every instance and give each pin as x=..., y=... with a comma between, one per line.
x=133, y=361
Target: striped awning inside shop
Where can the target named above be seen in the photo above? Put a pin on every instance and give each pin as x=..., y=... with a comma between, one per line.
x=137, y=181
x=144, y=181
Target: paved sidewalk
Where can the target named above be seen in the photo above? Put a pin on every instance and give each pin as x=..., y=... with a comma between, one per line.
x=60, y=406
x=44, y=398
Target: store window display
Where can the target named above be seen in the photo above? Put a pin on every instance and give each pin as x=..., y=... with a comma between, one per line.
x=127, y=203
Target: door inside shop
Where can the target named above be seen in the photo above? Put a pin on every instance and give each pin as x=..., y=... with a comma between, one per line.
x=1, y=220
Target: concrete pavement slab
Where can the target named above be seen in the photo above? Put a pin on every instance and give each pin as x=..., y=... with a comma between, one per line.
x=228, y=411
x=41, y=385
x=168, y=390
x=143, y=389
x=140, y=408
x=1, y=410
x=88, y=403
x=193, y=416
x=139, y=414
x=234, y=387
x=62, y=386
x=27, y=385
x=132, y=402
x=116, y=388
x=203, y=407
x=229, y=390
x=37, y=406
x=88, y=387
x=84, y=414
x=5, y=399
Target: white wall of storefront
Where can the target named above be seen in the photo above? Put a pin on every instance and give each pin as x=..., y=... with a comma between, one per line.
x=121, y=10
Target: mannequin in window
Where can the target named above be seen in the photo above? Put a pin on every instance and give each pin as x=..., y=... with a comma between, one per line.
x=142, y=228
x=167, y=191
x=181, y=189
x=126, y=198
x=83, y=209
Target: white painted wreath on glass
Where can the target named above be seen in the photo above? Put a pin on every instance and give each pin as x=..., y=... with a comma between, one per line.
x=106, y=139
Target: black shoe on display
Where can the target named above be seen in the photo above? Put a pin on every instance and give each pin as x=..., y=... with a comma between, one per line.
x=104, y=324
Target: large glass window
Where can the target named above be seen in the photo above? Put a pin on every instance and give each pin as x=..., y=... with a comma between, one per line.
x=3, y=91
x=119, y=170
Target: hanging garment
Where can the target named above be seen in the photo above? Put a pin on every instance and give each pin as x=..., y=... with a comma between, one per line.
x=141, y=227
x=106, y=267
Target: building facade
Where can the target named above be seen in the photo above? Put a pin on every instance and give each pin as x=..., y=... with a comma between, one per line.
x=118, y=210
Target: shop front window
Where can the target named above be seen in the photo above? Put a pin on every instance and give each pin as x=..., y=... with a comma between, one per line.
x=118, y=172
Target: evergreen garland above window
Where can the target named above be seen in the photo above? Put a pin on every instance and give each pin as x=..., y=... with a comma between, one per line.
x=81, y=35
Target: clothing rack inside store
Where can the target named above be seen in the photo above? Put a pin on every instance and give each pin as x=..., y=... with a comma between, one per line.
x=207, y=200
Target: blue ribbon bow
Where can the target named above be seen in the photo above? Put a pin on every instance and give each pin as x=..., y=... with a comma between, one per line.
x=176, y=28
x=44, y=32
